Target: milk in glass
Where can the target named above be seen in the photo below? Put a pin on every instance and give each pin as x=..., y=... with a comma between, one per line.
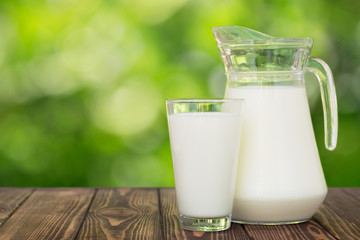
x=205, y=148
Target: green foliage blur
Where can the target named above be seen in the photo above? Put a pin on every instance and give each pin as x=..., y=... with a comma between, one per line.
x=83, y=83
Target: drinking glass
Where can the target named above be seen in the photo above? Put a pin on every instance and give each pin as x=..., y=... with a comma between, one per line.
x=205, y=140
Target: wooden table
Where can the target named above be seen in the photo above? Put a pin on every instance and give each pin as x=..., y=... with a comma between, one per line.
x=150, y=213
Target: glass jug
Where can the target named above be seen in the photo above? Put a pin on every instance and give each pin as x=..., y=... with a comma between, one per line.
x=280, y=178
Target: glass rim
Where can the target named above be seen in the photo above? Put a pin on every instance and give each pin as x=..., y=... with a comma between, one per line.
x=205, y=100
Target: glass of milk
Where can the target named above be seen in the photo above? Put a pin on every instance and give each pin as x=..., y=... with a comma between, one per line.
x=205, y=141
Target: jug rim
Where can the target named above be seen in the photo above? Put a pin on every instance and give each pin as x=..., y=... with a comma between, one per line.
x=263, y=41
x=274, y=43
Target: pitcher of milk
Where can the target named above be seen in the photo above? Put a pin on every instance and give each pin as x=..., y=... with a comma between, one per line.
x=280, y=178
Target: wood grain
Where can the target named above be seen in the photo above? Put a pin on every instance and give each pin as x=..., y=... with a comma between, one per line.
x=133, y=213
x=301, y=231
x=123, y=213
x=340, y=213
x=171, y=224
x=48, y=214
x=10, y=200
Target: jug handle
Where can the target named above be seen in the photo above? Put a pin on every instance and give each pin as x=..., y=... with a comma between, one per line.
x=328, y=96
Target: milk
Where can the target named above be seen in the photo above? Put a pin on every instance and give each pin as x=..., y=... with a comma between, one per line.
x=279, y=176
x=205, y=148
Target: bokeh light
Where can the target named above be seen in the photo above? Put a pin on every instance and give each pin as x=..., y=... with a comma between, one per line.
x=83, y=83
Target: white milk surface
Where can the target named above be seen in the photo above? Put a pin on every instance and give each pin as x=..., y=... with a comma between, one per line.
x=205, y=148
x=279, y=176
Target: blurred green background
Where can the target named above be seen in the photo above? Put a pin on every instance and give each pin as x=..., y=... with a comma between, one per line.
x=83, y=83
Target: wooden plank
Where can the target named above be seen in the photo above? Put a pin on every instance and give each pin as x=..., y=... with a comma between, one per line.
x=171, y=224
x=10, y=200
x=340, y=213
x=49, y=214
x=301, y=231
x=123, y=213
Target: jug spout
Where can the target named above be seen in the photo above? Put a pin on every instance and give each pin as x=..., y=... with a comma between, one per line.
x=246, y=50
x=237, y=35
